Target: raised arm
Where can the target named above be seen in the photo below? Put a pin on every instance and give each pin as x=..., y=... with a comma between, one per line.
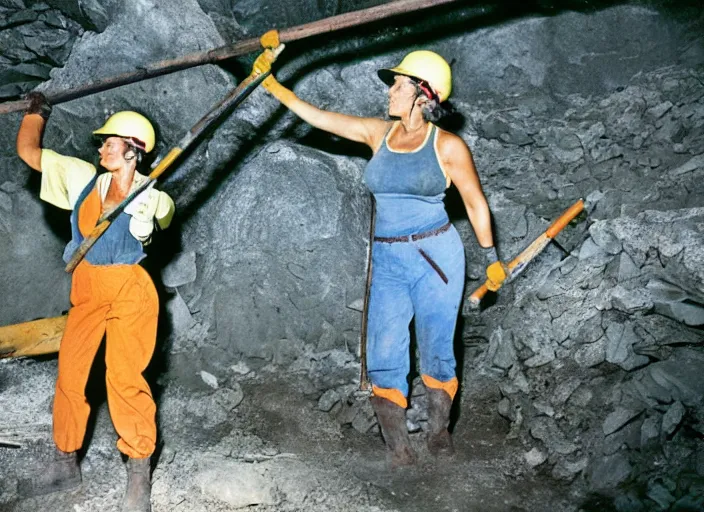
x=367, y=130
x=29, y=136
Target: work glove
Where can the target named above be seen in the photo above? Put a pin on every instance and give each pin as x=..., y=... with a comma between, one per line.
x=270, y=41
x=496, y=274
x=148, y=206
x=38, y=104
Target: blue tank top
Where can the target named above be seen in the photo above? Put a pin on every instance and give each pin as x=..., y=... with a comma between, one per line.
x=408, y=187
x=116, y=246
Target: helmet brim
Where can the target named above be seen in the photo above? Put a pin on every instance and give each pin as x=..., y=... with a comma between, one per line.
x=387, y=76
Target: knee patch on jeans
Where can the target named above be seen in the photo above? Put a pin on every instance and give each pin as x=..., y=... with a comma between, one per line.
x=391, y=394
x=450, y=387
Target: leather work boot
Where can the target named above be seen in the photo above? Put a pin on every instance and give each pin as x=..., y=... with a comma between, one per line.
x=392, y=420
x=61, y=474
x=139, y=486
x=439, y=405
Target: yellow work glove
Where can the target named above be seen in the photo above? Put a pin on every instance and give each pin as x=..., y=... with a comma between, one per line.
x=270, y=39
x=263, y=65
x=496, y=274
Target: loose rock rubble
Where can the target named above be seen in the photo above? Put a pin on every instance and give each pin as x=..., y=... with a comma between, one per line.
x=581, y=380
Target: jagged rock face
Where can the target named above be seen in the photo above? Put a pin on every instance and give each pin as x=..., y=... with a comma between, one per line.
x=596, y=347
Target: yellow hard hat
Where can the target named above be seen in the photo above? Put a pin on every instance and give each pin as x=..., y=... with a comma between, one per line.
x=424, y=65
x=130, y=125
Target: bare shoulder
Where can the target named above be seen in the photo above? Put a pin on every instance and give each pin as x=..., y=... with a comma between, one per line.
x=451, y=146
x=377, y=129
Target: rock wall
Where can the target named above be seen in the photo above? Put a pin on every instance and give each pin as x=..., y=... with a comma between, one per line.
x=596, y=347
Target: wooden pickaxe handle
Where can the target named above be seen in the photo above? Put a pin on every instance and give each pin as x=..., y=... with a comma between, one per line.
x=517, y=264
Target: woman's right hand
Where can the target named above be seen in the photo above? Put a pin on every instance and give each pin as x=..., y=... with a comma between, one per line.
x=38, y=104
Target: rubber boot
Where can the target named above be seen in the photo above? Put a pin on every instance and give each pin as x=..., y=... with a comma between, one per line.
x=61, y=474
x=439, y=405
x=392, y=420
x=139, y=486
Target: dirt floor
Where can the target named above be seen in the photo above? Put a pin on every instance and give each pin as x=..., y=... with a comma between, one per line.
x=274, y=451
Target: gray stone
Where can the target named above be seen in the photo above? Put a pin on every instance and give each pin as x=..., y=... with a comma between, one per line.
x=357, y=305
x=628, y=503
x=5, y=202
x=604, y=238
x=568, y=470
x=651, y=390
x=535, y=457
x=564, y=390
x=210, y=379
x=180, y=270
x=229, y=398
x=544, y=408
x=618, y=418
x=681, y=375
x=672, y=418
x=605, y=150
x=650, y=430
x=660, y=110
x=593, y=254
x=546, y=430
x=545, y=356
x=236, y=483
x=688, y=314
x=694, y=163
x=240, y=368
x=591, y=354
x=619, y=348
x=178, y=314
x=506, y=409
x=365, y=419
x=590, y=330
x=660, y=495
x=328, y=400
x=501, y=350
x=609, y=472
x=581, y=397
x=631, y=301
x=328, y=337
x=664, y=292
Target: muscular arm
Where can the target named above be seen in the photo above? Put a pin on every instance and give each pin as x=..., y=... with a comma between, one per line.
x=29, y=139
x=367, y=130
x=458, y=164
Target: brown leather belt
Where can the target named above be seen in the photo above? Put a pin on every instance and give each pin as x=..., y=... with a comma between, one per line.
x=413, y=238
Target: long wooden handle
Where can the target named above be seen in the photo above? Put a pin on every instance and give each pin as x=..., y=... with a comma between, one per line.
x=244, y=47
x=363, y=377
x=517, y=264
x=33, y=338
x=233, y=99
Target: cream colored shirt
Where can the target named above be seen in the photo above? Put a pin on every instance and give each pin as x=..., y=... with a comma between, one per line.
x=65, y=177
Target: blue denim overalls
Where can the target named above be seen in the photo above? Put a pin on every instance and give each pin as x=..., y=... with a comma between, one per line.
x=421, y=276
x=116, y=246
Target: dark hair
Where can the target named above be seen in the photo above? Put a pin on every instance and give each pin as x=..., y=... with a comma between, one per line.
x=433, y=111
x=139, y=152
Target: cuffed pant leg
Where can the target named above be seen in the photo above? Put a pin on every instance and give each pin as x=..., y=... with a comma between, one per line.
x=389, y=317
x=84, y=331
x=131, y=338
x=436, y=305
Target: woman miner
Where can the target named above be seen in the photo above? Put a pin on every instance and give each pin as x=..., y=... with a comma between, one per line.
x=417, y=255
x=110, y=293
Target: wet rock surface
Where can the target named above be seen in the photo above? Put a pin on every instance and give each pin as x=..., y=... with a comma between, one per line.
x=581, y=380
